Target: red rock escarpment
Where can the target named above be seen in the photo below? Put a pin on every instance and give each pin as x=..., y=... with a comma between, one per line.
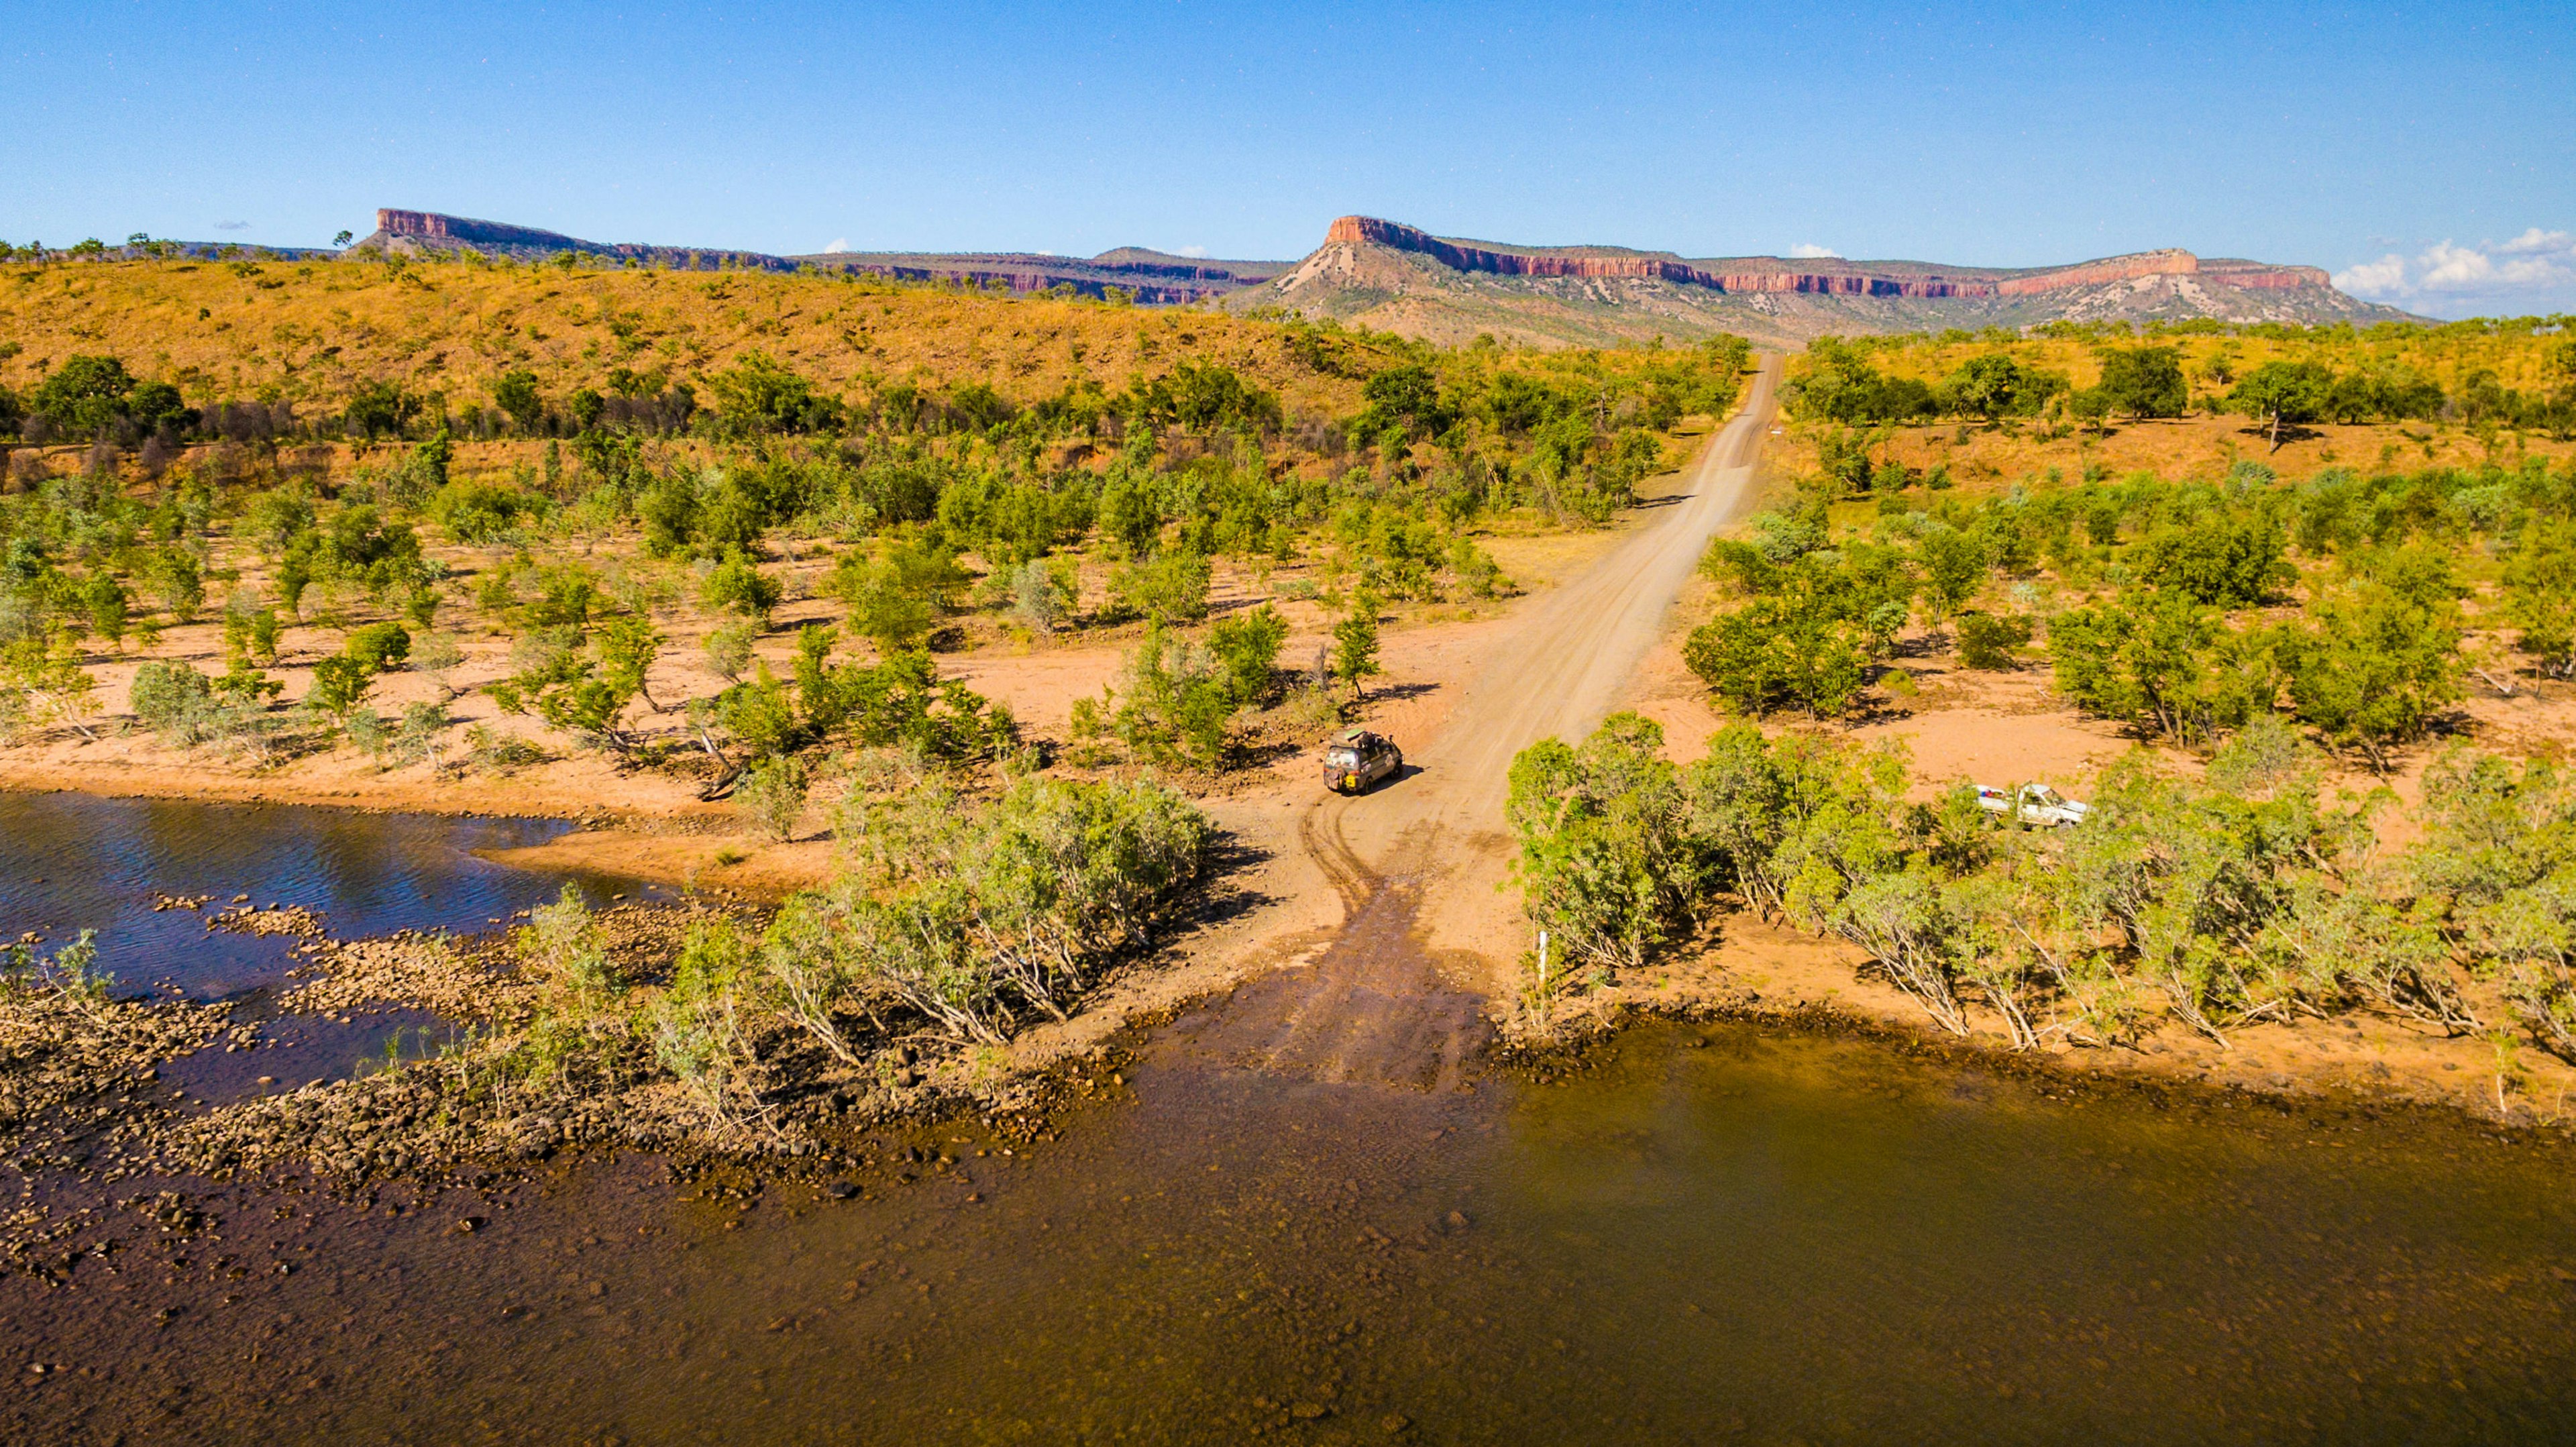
x=435, y=227
x=1768, y=274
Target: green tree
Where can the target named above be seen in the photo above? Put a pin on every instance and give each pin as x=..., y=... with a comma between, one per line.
x=2144, y=381
x=882, y=605
x=1607, y=865
x=1247, y=645
x=2232, y=564
x=736, y=583
x=1774, y=653
x=341, y=682
x=758, y=396
x=1355, y=650
x=516, y=394
x=627, y=648
x=1172, y=588
x=1130, y=512
x=2373, y=668
x=2161, y=662
x=1996, y=385
x=104, y=600
x=83, y=396
x=1405, y=398
x=1955, y=566
x=380, y=407
x=1174, y=703
x=2540, y=593
x=2286, y=393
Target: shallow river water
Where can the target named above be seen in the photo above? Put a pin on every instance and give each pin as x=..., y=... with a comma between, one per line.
x=1711, y=1233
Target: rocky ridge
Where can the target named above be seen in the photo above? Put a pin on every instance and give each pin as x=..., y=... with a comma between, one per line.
x=1394, y=277
x=1400, y=278
x=1148, y=276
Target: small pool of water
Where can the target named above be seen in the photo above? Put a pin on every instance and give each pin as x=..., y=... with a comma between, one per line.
x=70, y=862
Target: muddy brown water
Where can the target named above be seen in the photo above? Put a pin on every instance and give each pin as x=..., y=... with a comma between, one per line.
x=1271, y=1226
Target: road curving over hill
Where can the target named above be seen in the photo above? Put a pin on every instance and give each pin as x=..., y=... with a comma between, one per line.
x=1429, y=933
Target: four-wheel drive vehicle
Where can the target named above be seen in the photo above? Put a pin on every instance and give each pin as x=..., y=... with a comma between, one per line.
x=1356, y=758
x=2041, y=806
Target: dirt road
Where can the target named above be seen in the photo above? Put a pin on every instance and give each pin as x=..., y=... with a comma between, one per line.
x=1419, y=863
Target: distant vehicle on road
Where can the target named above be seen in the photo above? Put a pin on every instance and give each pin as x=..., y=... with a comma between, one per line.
x=2041, y=806
x=1357, y=758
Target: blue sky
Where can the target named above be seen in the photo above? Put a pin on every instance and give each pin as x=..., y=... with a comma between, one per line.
x=2426, y=154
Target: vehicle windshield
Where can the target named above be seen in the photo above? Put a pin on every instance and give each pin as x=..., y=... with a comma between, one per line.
x=1341, y=758
x=2042, y=794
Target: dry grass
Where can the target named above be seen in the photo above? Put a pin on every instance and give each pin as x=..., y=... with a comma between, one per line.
x=2449, y=354
x=1984, y=459
x=313, y=332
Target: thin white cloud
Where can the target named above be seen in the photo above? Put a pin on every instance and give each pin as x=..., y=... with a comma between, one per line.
x=1191, y=251
x=2538, y=240
x=1810, y=251
x=2533, y=272
x=232, y=226
x=2383, y=277
x=839, y=243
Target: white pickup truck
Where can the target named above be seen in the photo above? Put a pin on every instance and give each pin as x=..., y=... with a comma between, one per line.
x=2041, y=806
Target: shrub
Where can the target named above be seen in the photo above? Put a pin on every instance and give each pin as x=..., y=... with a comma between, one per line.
x=974, y=917
x=1045, y=592
x=1175, y=703
x=1606, y=863
x=379, y=646
x=2162, y=663
x=771, y=797
x=881, y=606
x=173, y=700
x=342, y=682
x=728, y=649
x=1987, y=641
x=415, y=741
x=475, y=513
x=368, y=733
x=1173, y=588
x=2373, y=669
x=735, y=583
x=2236, y=564
x=1247, y=646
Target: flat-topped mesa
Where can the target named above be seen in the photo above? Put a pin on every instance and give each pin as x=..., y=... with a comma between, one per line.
x=431, y=226
x=430, y=231
x=1777, y=274
x=1146, y=276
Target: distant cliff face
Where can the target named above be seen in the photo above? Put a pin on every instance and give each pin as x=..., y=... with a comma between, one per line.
x=1404, y=279
x=1757, y=275
x=1149, y=277
x=430, y=226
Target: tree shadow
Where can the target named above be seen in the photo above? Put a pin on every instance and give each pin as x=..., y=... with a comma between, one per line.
x=1221, y=896
x=1400, y=691
x=2290, y=432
